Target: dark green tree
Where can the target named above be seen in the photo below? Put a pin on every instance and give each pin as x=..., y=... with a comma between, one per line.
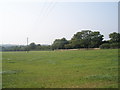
x=59, y=43
x=95, y=39
x=32, y=46
x=86, y=39
x=114, y=37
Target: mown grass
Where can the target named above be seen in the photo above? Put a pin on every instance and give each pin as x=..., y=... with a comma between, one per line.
x=61, y=69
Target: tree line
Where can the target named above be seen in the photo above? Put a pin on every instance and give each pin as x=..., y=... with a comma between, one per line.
x=88, y=39
x=84, y=39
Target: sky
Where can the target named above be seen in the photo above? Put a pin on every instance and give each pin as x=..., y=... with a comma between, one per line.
x=43, y=22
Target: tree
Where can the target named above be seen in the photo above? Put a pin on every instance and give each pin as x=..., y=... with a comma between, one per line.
x=59, y=43
x=114, y=37
x=95, y=39
x=87, y=39
x=32, y=46
x=81, y=39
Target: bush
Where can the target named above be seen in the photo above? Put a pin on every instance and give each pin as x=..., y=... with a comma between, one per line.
x=105, y=46
x=110, y=45
x=115, y=45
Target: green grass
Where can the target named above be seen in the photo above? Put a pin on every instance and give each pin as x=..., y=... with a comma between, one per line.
x=61, y=69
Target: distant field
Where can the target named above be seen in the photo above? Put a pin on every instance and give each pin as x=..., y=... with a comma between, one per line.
x=61, y=69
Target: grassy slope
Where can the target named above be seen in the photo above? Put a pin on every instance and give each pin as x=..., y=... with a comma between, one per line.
x=61, y=69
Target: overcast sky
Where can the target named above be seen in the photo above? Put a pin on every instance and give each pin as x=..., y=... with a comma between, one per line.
x=43, y=22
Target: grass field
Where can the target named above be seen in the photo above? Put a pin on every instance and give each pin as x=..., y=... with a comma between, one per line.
x=61, y=69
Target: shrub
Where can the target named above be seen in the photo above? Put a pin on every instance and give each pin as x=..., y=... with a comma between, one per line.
x=115, y=45
x=105, y=46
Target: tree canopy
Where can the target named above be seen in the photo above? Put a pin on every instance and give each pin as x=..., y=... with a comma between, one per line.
x=114, y=37
x=86, y=39
x=59, y=43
